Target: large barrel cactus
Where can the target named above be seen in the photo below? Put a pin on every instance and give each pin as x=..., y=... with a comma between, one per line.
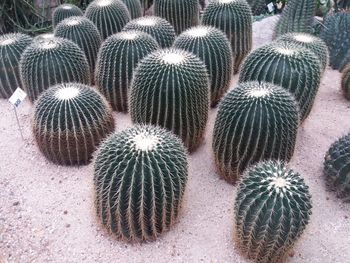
x=134, y=7
x=272, y=209
x=258, y=6
x=212, y=47
x=64, y=11
x=12, y=46
x=109, y=16
x=159, y=28
x=70, y=120
x=170, y=88
x=256, y=121
x=113, y=76
x=345, y=83
x=140, y=178
x=233, y=17
x=52, y=61
x=288, y=65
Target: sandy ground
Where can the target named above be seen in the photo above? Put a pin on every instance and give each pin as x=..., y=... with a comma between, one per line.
x=47, y=215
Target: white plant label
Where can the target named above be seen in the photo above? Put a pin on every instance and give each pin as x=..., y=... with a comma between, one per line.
x=17, y=97
x=270, y=7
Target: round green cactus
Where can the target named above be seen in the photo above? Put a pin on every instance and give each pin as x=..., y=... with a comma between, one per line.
x=233, y=17
x=160, y=29
x=12, y=46
x=64, y=11
x=272, y=209
x=134, y=7
x=288, y=65
x=140, y=178
x=258, y=6
x=182, y=14
x=109, y=16
x=51, y=61
x=212, y=47
x=113, y=76
x=170, y=88
x=345, y=83
x=70, y=120
x=256, y=121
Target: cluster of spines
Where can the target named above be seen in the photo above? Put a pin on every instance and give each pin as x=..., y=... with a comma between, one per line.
x=64, y=11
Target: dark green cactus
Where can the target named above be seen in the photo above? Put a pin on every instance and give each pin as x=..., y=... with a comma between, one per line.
x=233, y=17
x=11, y=48
x=140, y=178
x=160, y=29
x=64, y=11
x=51, y=61
x=345, y=83
x=272, y=209
x=288, y=65
x=255, y=122
x=70, y=120
x=113, y=76
x=109, y=16
x=258, y=6
x=212, y=47
x=134, y=7
x=170, y=88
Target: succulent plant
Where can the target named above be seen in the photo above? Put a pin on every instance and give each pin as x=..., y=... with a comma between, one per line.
x=159, y=28
x=140, y=178
x=64, y=11
x=170, y=88
x=288, y=65
x=109, y=16
x=113, y=76
x=272, y=209
x=233, y=17
x=212, y=47
x=70, y=120
x=134, y=7
x=51, y=61
x=258, y=7
x=345, y=83
x=12, y=46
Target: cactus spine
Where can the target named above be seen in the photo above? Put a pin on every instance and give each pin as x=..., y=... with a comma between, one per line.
x=134, y=7
x=64, y=11
x=345, y=83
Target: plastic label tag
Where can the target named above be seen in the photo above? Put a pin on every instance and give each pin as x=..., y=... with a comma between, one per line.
x=270, y=7
x=17, y=97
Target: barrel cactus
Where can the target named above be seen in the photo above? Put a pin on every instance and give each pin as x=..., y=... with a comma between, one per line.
x=233, y=17
x=345, y=83
x=140, y=178
x=159, y=28
x=52, y=61
x=70, y=120
x=272, y=209
x=109, y=16
x=170, y=88
x=113, y=76
x=212, y=47
x=64, y=11
x=12, y=46
x=134, y=7
x=288, y=65
x=258, y=6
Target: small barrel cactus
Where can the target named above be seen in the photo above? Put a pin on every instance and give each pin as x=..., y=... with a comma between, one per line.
x=113, y=76
x=70, y=120
x=182, y=14
x=159, y=28
x=258, y=6
x=212, y=47
x=233, y=17
x=345, y=83
x=134, y=7
x=170, y=88
x=64, y=11
x=51, y=61
x=109, y=16
x=272, y=209
x=288, y=65
x=256, y=121
x=12, y=46
x=140, y=179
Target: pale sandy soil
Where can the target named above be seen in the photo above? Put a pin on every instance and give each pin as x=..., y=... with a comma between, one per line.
x=46, y=211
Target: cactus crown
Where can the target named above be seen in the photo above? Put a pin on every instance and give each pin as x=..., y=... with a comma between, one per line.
x=64, y=11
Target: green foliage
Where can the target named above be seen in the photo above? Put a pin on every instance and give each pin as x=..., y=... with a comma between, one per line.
x=345, y=83
x=64, y=11
x=134, y=7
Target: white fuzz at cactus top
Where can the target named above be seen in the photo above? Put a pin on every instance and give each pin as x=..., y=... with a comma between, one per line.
x=173, y=58
x=145, y=142
x=259, y=93
x=226, y=1
x=198, y=32
x=129, y=35
x=67, y=93
x=285, y=51
x=147, y=21
x=66, y=7
x=48, y=44
x=104, y=2
x=8, y=41
x=73, y=22
x=304, y=38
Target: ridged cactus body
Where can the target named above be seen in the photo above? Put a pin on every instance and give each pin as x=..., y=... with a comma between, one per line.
x=140, y=178
x=134, y=7
x=70, y=120
x=12, y=46
x=272, y=209
x=212, y=47
x=113, y=76
x=64, y=11
x=345, y=83
x=258, y=6
x=170, y=88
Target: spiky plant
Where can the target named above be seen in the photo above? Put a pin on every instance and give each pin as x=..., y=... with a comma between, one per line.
x=70, y=120
x=272, y=209
x=233, y=17
x=258, y=6
x=170, y=88
x=288, y=65
x=12, y=46
x=345, y=83
x=134, y=7
x=109, y=16
x=182, y=14
x=212, y=47
x=51, y=61
x=64, y=11
x=113, y=76
x=140, y=178
x=159, y=28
